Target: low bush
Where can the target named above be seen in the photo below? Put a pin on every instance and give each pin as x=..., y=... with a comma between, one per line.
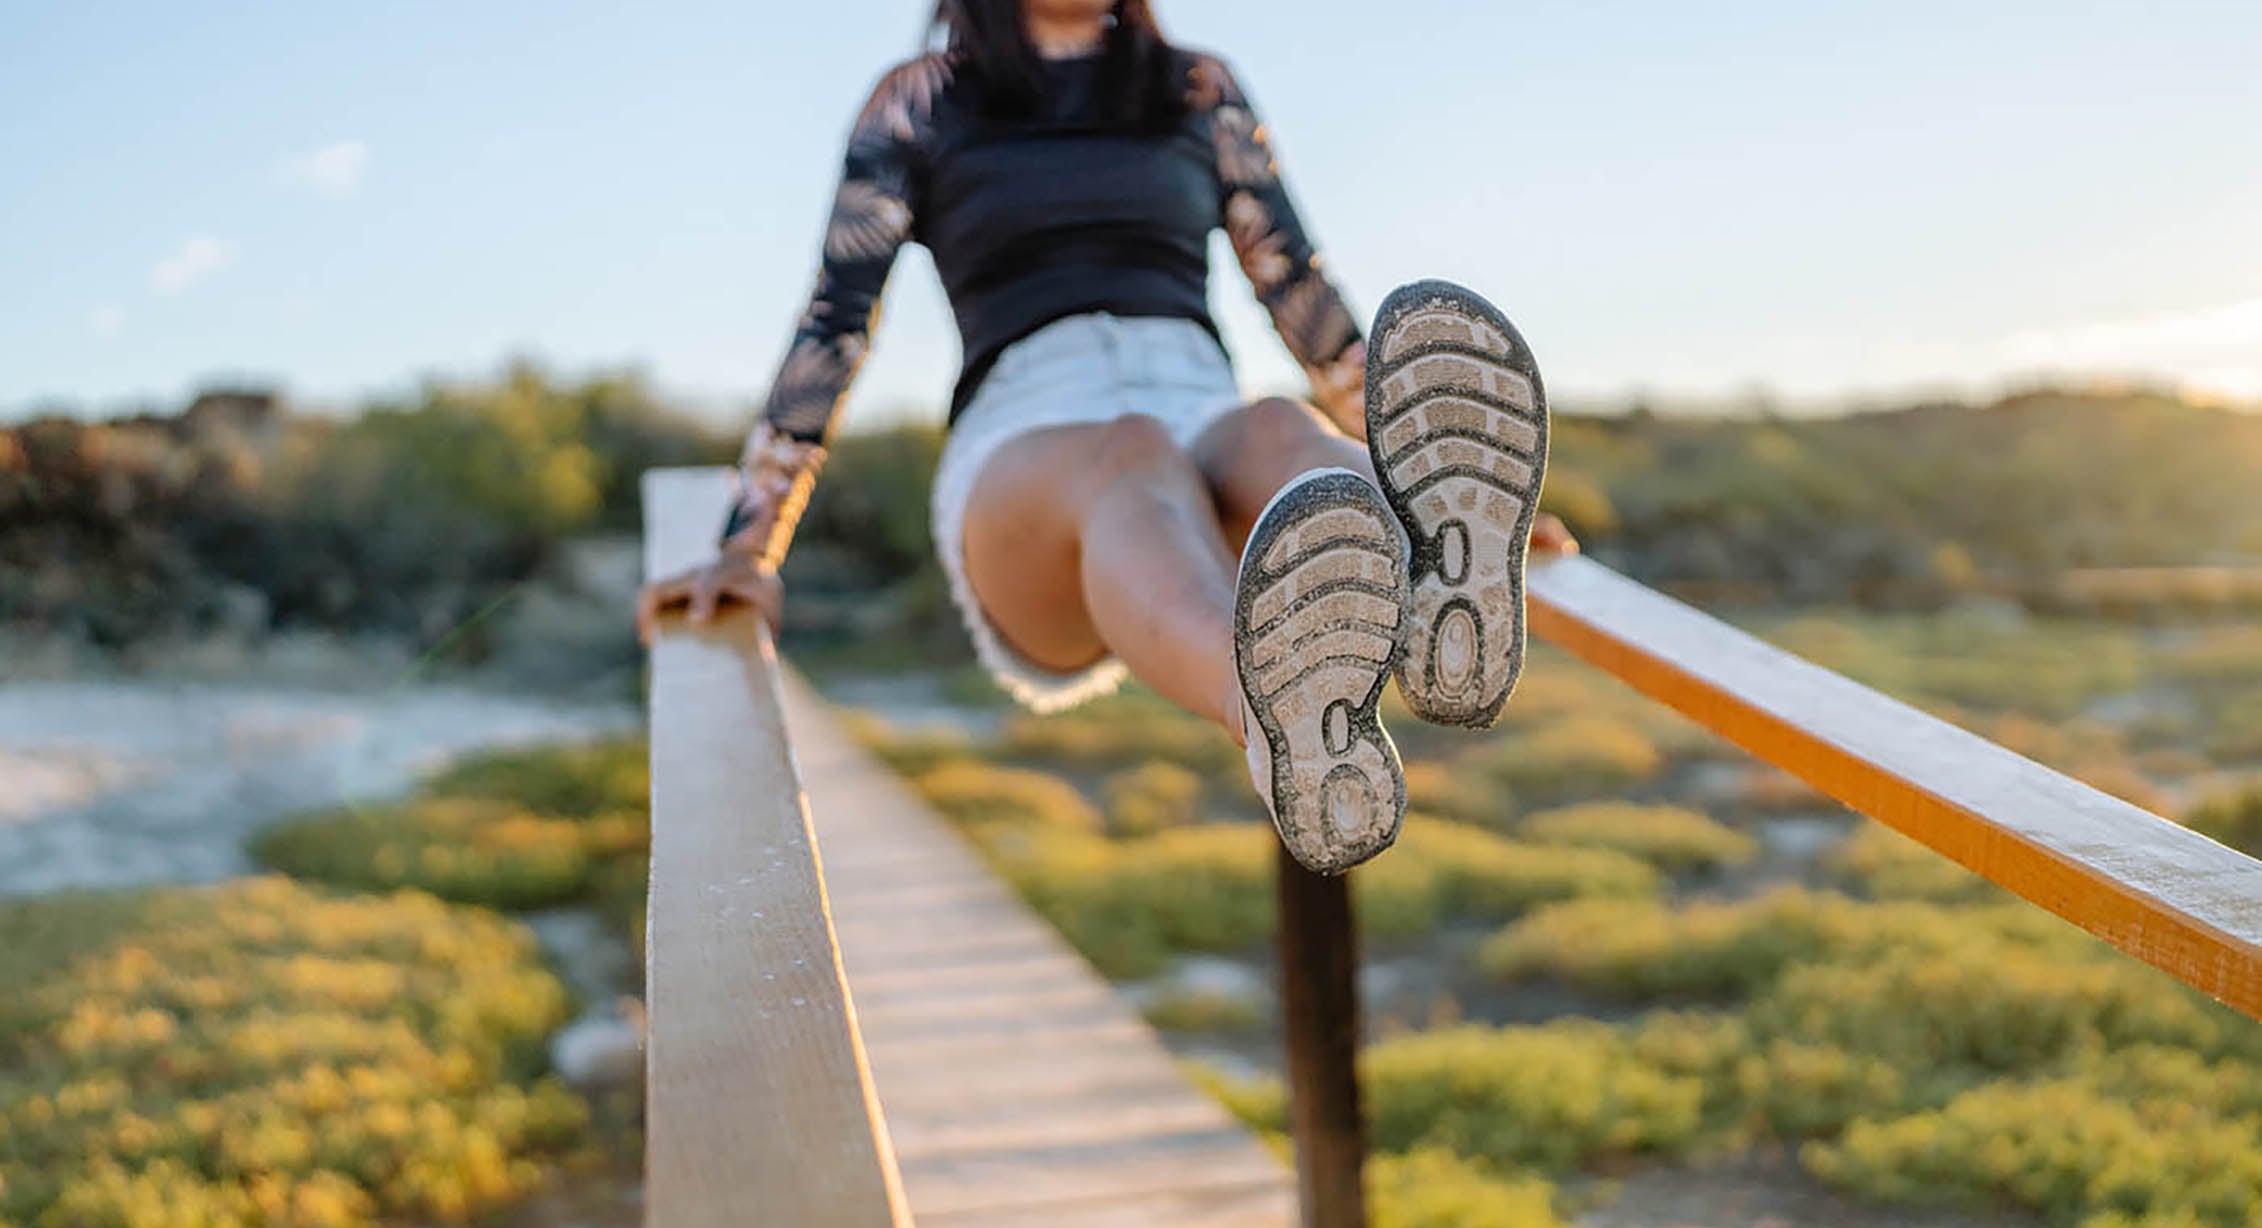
x=1129, y=905
x=1672, y=838
x=1556, y=1097
x=1589, y=754
x=473, y=852
x=1883, y=864
x=1461, y=795
x=1434, y=1188
x=1146, y=799
x=980, y=795
x=1204, y=1010
x=1713, y=949
x=2233, y=817
x=2058, y=1149
x=569, y=781
x=265, y=1053
x=909, y=753
x=1123, y=732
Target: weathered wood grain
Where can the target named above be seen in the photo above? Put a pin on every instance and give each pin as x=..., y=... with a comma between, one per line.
x=2164, y=894
x=760, y=1107
x=1019, y=1088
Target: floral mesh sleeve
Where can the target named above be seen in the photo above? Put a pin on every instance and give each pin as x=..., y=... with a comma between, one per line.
x=1287, y=273
x=871, y=219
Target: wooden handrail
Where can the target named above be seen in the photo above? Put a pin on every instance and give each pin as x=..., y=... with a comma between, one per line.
x=760, y=1107
x=2160, y=892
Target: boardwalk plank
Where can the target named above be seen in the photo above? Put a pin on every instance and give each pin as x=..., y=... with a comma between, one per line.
x=1019, y=1089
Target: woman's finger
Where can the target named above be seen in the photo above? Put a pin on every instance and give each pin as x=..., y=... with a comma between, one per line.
x=704, y=591
x=651, y=600
x=1549, y=536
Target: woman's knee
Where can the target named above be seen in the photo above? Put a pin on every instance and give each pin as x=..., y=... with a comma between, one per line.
x=1137, y=445
x=1276, y=424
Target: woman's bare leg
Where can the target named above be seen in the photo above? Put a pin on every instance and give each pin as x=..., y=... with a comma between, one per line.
x=1249, y=454
x=1088, y=539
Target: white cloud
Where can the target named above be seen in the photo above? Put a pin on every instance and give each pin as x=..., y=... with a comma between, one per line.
x=333, y=170
x=106, y=319
x=196, y=258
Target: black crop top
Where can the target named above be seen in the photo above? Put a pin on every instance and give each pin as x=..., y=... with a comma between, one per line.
x=1030, y=220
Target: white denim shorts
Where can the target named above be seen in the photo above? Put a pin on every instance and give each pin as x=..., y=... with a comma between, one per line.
x=1086, y=368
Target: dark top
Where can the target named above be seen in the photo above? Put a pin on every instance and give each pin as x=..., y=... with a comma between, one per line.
x=1030, y=220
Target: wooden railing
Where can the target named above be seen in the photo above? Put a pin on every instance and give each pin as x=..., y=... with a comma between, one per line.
x=2160, y=892
x=760, y=1102
x=759, y=1105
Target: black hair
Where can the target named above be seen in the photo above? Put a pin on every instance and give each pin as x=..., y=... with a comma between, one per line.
x=1141, y=83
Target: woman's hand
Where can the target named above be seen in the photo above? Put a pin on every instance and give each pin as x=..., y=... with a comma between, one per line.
x=703, y=591
x=1549, y=536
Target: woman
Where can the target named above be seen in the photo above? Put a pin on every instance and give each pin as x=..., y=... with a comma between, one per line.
x=1065, y=164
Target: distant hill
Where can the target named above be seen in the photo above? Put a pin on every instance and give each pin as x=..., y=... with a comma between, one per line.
x=411, y=516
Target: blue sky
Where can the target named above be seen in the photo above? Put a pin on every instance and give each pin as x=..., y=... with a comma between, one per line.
x=1835, y=201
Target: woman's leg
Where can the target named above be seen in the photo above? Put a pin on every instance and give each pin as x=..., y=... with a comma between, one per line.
x=1248, y=455
x=1088, y=539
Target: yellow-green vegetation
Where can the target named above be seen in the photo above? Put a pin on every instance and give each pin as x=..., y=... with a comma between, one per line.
x=1672, y=838
x=1464, y=795
x=1129, y=904
x=1119, y=732
x=266, y=1054
x=1203, y=1010
x=2045, y=668
x=1146, y=799
x=510, y=829
x=1884, y=864
x=1975, y=1055
x=475, y=852
x=1592, y=754
x=2234, y=818
x=1424, y=1187
x=1432, y=1188
x=574, y=781
x=908, y=752
x=979, y=796
x=1646, y=949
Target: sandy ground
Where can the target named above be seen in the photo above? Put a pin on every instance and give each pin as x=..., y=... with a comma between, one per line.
x=119, y=783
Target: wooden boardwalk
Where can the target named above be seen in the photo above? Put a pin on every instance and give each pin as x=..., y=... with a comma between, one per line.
x=1018, y=1088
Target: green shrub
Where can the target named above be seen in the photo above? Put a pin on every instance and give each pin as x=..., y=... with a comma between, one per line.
x=1644, y=950
x=2233, y=818
x=911, y=754
x=1146, y=799
x=1260, y=1103
x=1204, y=1010
x=1124, y=733
x=1672, y=838
x=1557, y=1097
x=1985, y=1008
x=1433, y=1188
x=1129, y=906
x=570, y=781
x=1460, y=795
x=1577, y=754
x=979, y=795
x=1737, y=949
x=473, y=852
x=1885, y=865
x=263, y=1053
x=1442, y=870
x=2058, y=1149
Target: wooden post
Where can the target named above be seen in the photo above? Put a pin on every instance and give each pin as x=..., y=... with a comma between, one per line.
x=1319, y=1006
